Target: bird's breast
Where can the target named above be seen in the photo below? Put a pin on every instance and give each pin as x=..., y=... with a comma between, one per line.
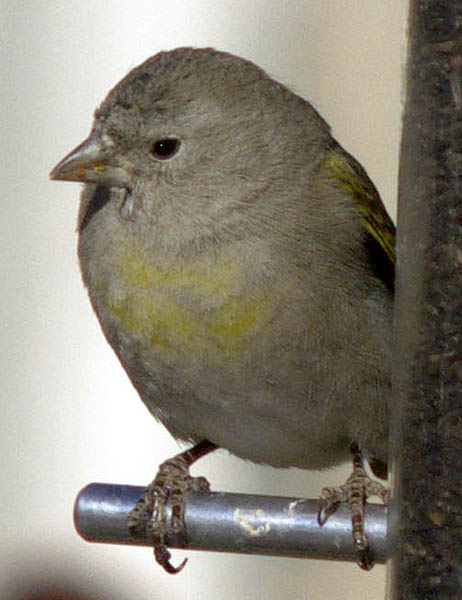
x=201, y=306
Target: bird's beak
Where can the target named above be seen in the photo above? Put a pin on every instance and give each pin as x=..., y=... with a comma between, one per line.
x=92, y=162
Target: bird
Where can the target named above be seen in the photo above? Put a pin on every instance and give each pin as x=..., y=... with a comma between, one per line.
x=241, y=265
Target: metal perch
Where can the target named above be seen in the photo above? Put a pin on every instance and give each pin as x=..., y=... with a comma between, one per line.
x=241, y=523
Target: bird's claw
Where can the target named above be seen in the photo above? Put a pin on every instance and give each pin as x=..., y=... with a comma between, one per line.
x=354, y=492
x=163, y=556
x=169, y=487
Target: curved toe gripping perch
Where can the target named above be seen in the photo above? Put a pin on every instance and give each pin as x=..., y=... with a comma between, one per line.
x=241, y=523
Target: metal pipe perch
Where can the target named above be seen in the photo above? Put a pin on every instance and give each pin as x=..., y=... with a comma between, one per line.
x=241, y=523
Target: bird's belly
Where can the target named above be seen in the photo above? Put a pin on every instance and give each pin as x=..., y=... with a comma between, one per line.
x=250, y=396
x=237, y=405
x=213, y=358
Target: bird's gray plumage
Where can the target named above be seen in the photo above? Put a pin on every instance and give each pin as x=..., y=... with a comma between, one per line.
x=237, y=281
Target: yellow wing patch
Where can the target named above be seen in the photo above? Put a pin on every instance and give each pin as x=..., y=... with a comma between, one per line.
x=368, y=204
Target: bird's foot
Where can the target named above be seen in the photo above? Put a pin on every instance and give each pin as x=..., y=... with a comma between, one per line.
x=170, y=486
x=354, y=492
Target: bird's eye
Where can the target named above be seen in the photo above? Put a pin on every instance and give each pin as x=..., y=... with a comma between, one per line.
x=165, y=149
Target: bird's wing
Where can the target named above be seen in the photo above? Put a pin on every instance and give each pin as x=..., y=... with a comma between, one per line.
x=379, y=240
x=345, y=170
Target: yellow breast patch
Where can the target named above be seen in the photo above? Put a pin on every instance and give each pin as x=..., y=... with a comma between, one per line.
x=193, y=307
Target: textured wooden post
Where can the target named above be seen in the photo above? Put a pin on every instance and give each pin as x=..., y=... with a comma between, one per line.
x=425, y=516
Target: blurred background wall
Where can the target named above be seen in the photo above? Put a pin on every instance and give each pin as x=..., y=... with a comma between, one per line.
x=68, y=413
